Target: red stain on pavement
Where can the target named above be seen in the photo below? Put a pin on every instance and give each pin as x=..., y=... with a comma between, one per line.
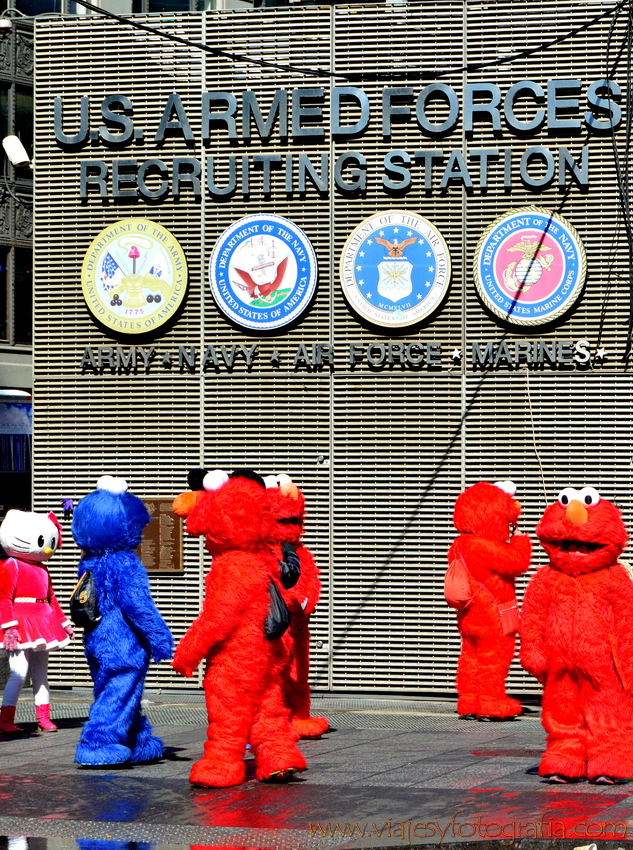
x=545, y=814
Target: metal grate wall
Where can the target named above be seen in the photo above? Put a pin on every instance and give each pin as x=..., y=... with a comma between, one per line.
x=383, y=452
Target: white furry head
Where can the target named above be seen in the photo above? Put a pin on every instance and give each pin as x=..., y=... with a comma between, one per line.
x=29, y=536
x=112, y=485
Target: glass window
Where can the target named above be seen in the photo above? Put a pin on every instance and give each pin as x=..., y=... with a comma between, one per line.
x=4, y=256
x=4, y=110
x=23, y=296
x=37, y=7
x=168, y=6
x=24, y=124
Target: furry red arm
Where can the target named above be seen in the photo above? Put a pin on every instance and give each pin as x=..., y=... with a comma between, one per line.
x=621, y=598
x=309, y=585
x=533, y=655
x=235, y=579
x=507, y=559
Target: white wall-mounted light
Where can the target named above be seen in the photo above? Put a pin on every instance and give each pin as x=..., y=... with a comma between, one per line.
x=16, y=151
x=5, y=24
x=22, y=394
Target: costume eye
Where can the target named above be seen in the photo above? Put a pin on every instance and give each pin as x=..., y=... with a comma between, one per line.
x=508, y=487
x=287, y=487
x=589, y=496
x=40, y=540
x=53, y=543
x=271, y=482
x=214, y=480
x=567, y=495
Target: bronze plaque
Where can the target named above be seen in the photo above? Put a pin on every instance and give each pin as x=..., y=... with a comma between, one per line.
x=161, y=547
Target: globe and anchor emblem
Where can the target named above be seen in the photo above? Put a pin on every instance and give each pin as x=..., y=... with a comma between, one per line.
x=521, y=275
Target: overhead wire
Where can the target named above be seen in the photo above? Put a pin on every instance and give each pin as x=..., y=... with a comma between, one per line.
x=622, y=161
x=360, y=76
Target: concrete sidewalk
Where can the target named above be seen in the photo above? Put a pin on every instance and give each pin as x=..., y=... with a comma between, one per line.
x=394, y=774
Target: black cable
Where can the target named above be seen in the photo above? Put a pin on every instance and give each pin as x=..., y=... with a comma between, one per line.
x=627, y=170
x=356, y=76
x=623, y=162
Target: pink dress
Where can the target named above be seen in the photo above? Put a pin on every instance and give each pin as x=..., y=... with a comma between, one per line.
x=28, y=602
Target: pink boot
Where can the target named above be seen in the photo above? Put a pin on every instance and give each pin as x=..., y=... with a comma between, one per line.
x=7, y=714
x=43, y=714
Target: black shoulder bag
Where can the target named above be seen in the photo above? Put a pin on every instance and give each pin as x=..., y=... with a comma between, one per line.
x=278, y=618
x=84, y=610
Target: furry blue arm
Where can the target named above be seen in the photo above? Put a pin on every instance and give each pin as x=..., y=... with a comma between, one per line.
x=137, y=605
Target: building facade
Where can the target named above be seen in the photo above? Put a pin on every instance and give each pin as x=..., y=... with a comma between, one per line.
x=16, y=267
x=443, y=129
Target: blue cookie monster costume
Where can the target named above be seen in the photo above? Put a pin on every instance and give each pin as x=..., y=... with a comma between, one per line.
x=107, y=526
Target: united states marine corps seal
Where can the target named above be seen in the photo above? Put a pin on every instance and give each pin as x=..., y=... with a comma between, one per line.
x=134, y=276
x=530, y=266
x=263, y=272
x=395, y=268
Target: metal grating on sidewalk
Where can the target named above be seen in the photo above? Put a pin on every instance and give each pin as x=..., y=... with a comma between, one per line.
x=168, y=837
x=352, y=714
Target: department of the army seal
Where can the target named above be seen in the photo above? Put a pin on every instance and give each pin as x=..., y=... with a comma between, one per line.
x=395, y=268
x=530, y=266
x=263, y=272
x=134, y=276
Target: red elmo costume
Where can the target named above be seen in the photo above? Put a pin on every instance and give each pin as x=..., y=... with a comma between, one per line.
x=287, y=504
x=243, y=673
x=577, y=639
x=486, y=516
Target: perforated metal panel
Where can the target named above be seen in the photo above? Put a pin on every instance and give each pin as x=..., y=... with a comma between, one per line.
x=381, y=452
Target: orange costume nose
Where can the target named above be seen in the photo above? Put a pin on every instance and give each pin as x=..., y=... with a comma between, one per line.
x=576, y=513
x=183, y=503
x=289, y=488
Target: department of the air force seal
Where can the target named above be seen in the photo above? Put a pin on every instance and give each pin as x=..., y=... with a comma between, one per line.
x=530, y=266
x=134, y=276
x=263, y=272
x=395, y=268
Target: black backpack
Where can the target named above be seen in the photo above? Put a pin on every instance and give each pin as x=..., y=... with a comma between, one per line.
x=278, y=618
x=84, y=610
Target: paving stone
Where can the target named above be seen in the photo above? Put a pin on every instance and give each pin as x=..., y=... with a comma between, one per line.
x=485, y=772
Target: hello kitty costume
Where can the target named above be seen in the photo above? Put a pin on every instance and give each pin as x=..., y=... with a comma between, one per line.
x=31, y=619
